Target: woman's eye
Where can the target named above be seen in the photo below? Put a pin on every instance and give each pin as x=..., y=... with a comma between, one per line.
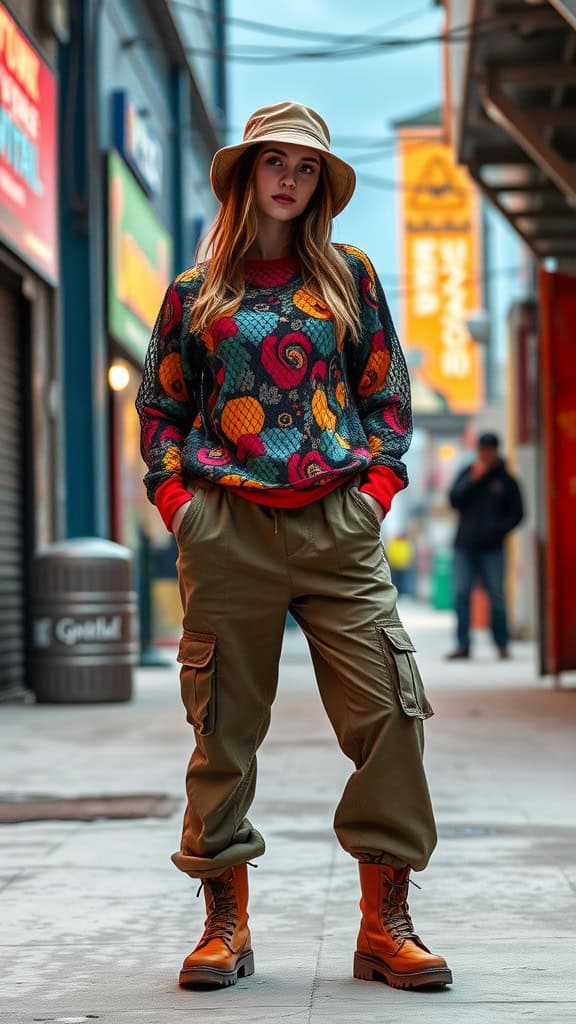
x=273, y=160
x=307, y=169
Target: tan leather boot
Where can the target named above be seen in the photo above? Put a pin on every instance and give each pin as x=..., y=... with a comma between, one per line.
x=224, y=952
x=388, y=948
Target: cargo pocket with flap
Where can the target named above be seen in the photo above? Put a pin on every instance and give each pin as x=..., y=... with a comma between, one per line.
x=398, y=649
x=197, y=656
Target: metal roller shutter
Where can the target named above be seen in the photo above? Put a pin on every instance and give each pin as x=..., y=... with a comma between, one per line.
x=11, y=500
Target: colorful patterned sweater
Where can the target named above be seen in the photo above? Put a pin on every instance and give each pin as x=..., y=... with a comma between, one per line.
x=266, y=402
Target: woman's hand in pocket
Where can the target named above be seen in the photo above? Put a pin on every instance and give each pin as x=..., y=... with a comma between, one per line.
x=375, y=505
x=178, y=517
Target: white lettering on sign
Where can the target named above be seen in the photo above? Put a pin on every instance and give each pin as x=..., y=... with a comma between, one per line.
x=145, y=151
x=70, y=632
x=19, y=57
x=14, y=100
x=137, y=143
x=425, y=271
x=455, y=357
x=12, y=188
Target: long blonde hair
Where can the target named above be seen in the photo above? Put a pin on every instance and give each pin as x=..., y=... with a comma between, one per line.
x=324, y=271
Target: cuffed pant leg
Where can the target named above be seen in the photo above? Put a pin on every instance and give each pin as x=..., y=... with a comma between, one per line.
x=385, y=813
x=369, y=684
x=235, y=605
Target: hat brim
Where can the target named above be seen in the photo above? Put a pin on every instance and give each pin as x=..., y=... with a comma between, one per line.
x=341, y=175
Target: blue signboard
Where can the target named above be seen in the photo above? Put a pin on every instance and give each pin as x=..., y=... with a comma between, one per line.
x=135, y=142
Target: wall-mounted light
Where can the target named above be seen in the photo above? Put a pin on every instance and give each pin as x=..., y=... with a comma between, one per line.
x=118, y=376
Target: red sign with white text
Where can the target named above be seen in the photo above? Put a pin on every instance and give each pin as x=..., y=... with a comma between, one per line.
x=28, y=203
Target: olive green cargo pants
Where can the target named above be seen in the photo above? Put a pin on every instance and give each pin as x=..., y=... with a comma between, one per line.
x=241, y=567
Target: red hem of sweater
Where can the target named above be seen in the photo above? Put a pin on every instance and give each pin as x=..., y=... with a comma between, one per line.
x=381, y=483
x=168, y=498
x=378, y=481
x=289, y=498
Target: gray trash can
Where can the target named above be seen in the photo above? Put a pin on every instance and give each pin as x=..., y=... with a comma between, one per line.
x=84, y=623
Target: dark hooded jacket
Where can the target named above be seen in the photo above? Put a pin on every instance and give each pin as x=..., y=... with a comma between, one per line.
x=489, y=507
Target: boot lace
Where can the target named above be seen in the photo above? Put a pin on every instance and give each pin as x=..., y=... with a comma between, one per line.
x=395, y=910
x=222, y=909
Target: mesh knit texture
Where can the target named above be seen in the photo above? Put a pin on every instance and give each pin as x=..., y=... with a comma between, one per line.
x=268, y=398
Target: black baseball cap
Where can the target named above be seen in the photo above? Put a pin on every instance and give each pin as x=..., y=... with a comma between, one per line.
x=489, y=440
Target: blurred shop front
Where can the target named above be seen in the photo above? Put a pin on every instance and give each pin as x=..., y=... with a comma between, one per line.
x=511, y=108
x=139, y=270
x=30, y=422
x=138, y=134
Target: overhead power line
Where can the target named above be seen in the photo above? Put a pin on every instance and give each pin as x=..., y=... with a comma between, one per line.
x=253, y=55
x=258, y=55
x=285, y=31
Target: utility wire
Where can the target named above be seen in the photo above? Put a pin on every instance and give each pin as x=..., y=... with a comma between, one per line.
x=296, y=33
x=385, y=151
x=276, y=55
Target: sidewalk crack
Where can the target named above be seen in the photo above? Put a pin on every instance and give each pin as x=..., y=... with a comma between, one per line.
x=316, y=979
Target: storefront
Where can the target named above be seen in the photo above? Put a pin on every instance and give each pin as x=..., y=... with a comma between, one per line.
x=511, y=105
x=136, y=140
x=30, y=426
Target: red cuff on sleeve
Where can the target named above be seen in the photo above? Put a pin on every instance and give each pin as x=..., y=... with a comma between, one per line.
x=381, y=483
x=169, y=497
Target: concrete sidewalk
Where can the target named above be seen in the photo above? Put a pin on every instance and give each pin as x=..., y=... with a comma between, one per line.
x=94, y=920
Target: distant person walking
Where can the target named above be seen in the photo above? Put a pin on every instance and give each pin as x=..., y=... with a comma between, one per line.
x=489, y=503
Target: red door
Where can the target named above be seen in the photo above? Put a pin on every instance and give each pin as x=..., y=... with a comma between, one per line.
x=558, y=381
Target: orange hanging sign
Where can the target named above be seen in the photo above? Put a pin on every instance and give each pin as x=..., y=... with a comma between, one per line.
x=441, y=271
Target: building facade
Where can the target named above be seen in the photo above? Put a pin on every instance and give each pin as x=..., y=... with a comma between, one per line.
x=511, y=107
x=107, y=128
x=31, y=505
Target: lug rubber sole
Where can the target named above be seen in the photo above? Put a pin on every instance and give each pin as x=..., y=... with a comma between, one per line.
x=368, y=969
x=211, y=977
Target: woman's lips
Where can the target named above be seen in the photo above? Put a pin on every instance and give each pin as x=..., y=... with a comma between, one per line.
x=284, y=200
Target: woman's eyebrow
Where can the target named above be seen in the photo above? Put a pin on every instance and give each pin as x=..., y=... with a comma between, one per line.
x=282, y=152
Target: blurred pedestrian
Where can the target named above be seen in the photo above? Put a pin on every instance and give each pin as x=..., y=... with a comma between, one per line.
x=489, y=503
x=400, y=553
x=275, y=392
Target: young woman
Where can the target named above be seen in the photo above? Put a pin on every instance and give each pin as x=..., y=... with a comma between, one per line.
x=275, y=410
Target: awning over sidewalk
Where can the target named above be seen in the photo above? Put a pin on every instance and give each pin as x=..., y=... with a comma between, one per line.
x=512, y=95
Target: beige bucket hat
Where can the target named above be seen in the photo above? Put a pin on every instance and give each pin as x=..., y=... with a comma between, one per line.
x=286, y=122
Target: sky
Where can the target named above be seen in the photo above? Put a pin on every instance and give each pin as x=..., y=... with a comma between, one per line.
x=358, y=98
x=362, y=98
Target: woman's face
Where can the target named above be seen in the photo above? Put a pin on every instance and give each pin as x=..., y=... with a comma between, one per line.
x=285, y=179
